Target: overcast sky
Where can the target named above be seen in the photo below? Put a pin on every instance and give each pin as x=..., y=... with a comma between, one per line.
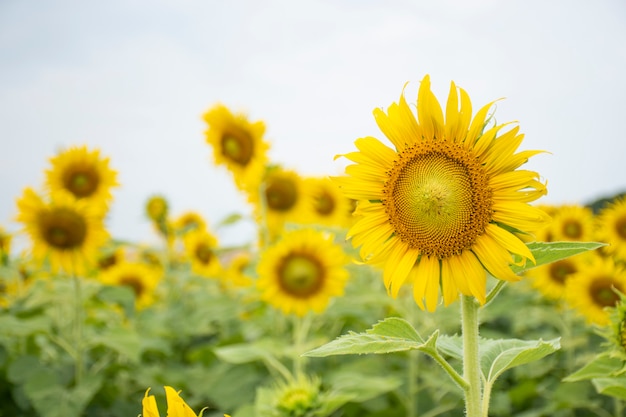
x=132, y=78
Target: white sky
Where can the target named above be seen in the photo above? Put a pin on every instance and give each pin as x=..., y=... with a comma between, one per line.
x=133, y=78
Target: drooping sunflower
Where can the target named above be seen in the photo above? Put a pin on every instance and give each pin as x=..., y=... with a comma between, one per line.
x=612, y=228
x=592, y=289
x=327, y=205
x=572, y=223
x=84, y=173
x=140, y=277
x=201, y=249
x=237, y=143
x=302, y=271
x=66, y=231
x=447, y=203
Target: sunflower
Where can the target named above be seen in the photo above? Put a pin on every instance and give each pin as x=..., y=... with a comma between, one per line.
x=281, y=200
x=551, y=279
x=157, y=208
x=236, y=274
x=5, y=246
x=238, y=144
x=302, y=271
x=176, y=406
x=572, y=223
x=327, y=206
x=189, y=221
x=200, y=247
x=612, y=228
x=67, y=231
x=592, y=289
x=140, y=277
x=447, y=203
x=83, y=173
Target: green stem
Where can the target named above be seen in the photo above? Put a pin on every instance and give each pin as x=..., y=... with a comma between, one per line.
x=412, y=384
x=78, y=331
x=495, y=291
x=471, y=363
x=301, y=327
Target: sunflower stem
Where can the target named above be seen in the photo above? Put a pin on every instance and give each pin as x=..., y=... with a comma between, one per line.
x=301, y=327
x=471, y=361
x=78, y=331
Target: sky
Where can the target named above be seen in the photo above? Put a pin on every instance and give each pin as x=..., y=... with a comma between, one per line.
x=132, y=78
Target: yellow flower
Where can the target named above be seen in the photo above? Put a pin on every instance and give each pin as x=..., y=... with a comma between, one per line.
x=176, y=406
x=83, y=173
x=235, y=275
x=327, y=206
x=572, y=223
x=591, y=289
x=301, y=272
x=189, y=221
x=141, y=278
x=237, y=143
x=67, y=231
x=157, y=208
x=551, y=279
x=280, y=200
x=612, y=228
x=446, y=203
x=5, y=246
x=200, y=247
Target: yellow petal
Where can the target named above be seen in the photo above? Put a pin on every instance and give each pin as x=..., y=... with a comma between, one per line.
x=494, y=258
x=426, y=284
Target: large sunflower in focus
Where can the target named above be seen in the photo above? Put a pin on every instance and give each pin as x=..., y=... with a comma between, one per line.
x=444, y=205
x=66, y=231
x=83, y=173
x=302, y=271
x=238, y=144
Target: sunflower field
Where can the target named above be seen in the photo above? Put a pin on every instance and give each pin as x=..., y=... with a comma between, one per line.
x=357, y=294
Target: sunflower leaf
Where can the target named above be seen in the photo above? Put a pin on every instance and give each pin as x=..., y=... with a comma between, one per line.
x=497, y=356
x=600, y=366
x=615, y=386
x=548, y=252
x=390, y=335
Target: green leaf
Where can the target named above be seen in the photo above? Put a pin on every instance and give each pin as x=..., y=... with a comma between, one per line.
x=123, y=341
x=230, y=219
x=242, y=353
x=548, y=252
x=601, y=366
x=390, y=335
x=615, y=387
x=497, y=356
x=52, y=399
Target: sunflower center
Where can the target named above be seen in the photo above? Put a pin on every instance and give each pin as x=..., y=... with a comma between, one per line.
x=602, y=293
x=572, y=229
x=620, y=227
x=82, y=182
x=281, y=194
x=237, y=147
x=324, y=204
x=560, y=270
x=134, y=282
x=63, y=228
x=437, y=198
x=204, y=253
x=300, y=275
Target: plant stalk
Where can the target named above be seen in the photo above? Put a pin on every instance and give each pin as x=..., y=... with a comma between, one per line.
x=471, y=361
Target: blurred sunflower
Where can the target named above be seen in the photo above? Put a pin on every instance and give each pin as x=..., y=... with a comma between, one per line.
x=141, y=278
x=551, y=279
x=5, y=246
x=238, y=144
x=236, y=274
x=281, y=200
x=200, y=247
x=188, y=222
x=176, y=406
x=301, y=272
x=109, y=256
x=157, y=208
x=447, y=203
x=66, y=231
x=327, y=205
x=591, y=289
x=612, y=228
x=83, y=173
x=572, y=223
